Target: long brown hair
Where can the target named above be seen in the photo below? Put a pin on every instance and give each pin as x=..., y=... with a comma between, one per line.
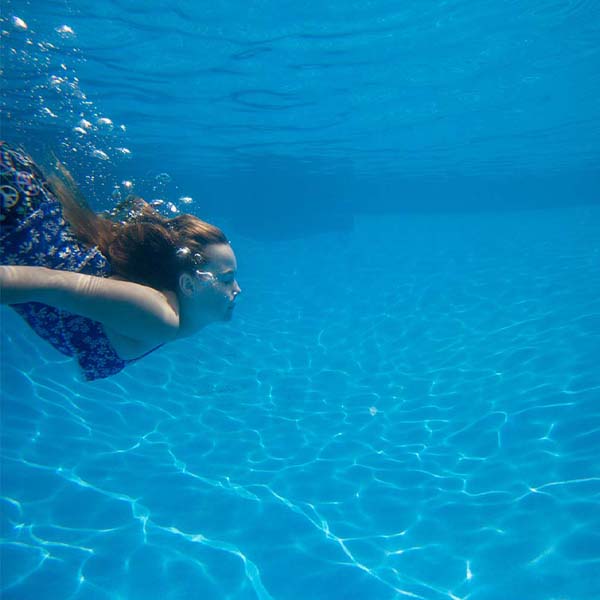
x=141, y=245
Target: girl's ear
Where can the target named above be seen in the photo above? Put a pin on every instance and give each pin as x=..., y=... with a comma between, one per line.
x=186, y=284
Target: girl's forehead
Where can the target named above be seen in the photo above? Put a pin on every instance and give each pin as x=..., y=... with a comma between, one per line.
x=220, y=255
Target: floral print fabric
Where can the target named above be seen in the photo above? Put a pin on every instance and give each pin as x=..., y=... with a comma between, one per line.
x=33, y=232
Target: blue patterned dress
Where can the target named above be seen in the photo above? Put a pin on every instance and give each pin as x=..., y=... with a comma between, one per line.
x=33, y=232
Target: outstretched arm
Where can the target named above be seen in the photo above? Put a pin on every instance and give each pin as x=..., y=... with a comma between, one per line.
x=136, y=311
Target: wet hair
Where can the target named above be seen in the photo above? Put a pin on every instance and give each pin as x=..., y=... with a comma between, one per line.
x=141, y=245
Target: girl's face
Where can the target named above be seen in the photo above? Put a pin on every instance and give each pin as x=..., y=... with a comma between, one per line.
x=208, y=294
x=218, y=287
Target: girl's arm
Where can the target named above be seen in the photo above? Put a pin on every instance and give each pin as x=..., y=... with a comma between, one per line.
x=133, y=310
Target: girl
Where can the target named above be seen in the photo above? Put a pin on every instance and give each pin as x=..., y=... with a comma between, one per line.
x=104, y=291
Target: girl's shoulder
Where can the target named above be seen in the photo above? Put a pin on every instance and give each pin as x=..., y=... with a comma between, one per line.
x=129, y=348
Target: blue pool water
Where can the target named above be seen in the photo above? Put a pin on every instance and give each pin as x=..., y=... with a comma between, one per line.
x=407, y=402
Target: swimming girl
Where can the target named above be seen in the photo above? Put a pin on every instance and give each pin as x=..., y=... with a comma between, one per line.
x=106, y=290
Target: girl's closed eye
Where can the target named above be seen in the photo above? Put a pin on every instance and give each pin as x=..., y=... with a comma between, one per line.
x=228, y=278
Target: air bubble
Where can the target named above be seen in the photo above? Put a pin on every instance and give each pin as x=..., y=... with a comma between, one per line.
x=124, y=151
x=56, y=81
x=77, y=93
x=186, y=199
x=127, y=184
x=18, y=23
x=46, y=112
x=100, y=154
x=84, y=124
x=163, y=178
x=65, y=31
x=80, y=130
x=46, y=46
x=105, y=123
